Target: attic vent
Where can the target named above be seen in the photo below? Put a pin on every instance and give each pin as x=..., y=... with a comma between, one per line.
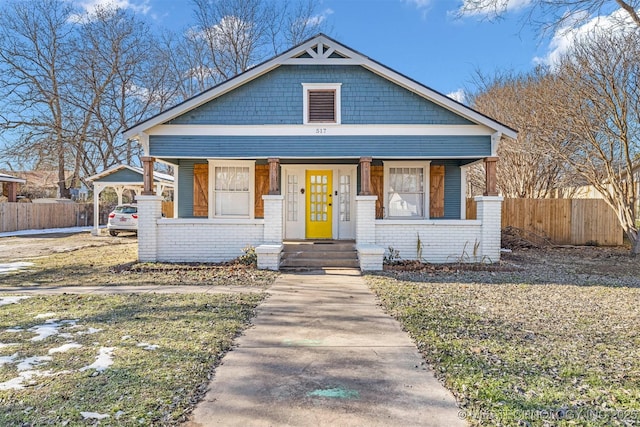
x=321, y=103
x=322, y=106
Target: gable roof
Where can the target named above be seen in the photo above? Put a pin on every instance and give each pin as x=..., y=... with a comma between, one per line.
x=157, y=176
x=320, y=50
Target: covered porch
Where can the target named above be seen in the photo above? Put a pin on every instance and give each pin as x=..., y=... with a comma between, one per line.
x=345, y=200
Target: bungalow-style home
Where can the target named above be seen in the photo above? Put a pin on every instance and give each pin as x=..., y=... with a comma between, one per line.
x=320, y=144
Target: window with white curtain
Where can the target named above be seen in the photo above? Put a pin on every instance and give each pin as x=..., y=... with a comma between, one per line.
x=232, y=189
x=405, y=189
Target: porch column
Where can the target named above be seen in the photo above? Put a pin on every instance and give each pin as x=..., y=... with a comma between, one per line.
x=147, y=165
x=12, y=192
x=274, y=176
x=149, y=210
x=491, y=183
x=270, y=251
x=365, y=176
x=490, y=215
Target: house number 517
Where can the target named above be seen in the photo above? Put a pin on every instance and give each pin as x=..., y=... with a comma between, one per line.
x=321, y=130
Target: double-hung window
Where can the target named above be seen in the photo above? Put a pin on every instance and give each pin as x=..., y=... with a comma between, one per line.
x=233, y=189
x=405, y=189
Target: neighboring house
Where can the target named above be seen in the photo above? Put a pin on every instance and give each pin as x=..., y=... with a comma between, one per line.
x=320, y=142
x=10, y=186
x=41, y=183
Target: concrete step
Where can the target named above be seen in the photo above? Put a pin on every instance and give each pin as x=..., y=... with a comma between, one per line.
x=319, y=246
x=319, y=254
x=327, y=254
x=314, y=263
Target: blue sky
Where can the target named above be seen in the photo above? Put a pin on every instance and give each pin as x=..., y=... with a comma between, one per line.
x=422, y=39
x=419, y=38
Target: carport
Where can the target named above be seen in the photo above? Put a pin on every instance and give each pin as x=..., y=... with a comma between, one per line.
x=10, y=186
x=121, y=178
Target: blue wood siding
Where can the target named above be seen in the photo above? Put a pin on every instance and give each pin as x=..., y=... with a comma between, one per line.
x=276, y=98
x=451, y=188
x=185, y=188
x=252, y=147
x=123, y=175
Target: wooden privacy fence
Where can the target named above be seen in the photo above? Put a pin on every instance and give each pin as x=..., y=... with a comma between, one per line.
x=563, y=221
x=38, y=216
x=35, y=216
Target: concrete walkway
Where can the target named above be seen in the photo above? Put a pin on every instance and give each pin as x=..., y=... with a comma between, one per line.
x=323, y=353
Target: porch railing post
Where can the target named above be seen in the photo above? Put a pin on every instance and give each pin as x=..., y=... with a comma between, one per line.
x=274, y=176
x=147, y=180
x=365, y=176
x=491, y=183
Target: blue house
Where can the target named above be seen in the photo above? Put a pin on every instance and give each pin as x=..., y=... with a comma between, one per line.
x=320, y=143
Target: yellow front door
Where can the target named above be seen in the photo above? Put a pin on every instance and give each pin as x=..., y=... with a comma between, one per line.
x=319, y=202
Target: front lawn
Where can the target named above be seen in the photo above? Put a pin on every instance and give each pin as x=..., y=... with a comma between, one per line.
x=116, y=265
x=123, y=359
x=525, y=354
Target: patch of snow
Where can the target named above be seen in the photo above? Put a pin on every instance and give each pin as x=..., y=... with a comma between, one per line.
x=30, y=362
x=66, y=335
x=14, y=266
x=17, y=383
x=47, y=231
x=103, y=360
x=119, y=414
x=126, y=337
x=49, y=328
x=45, y=315
x=8, y=359
x=94, y=415
x=13, y=330
x=65, y=347
x=147, y=346
x=10, y=300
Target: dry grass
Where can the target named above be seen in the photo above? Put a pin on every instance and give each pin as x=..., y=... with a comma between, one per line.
x=518, y=348
x=145, y=385
x=116, y=264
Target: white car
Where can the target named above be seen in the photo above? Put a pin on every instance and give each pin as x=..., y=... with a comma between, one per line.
x=123, y=218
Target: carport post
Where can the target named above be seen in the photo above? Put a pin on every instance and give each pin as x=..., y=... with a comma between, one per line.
x=97, y=189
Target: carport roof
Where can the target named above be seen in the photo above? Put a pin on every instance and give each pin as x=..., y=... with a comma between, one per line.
x=129, y=174
x=10, y=178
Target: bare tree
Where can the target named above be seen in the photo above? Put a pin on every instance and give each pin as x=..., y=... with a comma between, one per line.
x=35, y=48
x=231, y=36
x=115, y=84
x=527, y=168
x=554, y=14
x=70, y=83
x=598, y=95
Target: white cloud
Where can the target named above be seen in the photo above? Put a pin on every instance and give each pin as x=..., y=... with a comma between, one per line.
x=139, y=6
x=420, y=4
x=490, y=7
x=90, y=7
x=564, y=38
x=459, y=95
x=319, y=19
